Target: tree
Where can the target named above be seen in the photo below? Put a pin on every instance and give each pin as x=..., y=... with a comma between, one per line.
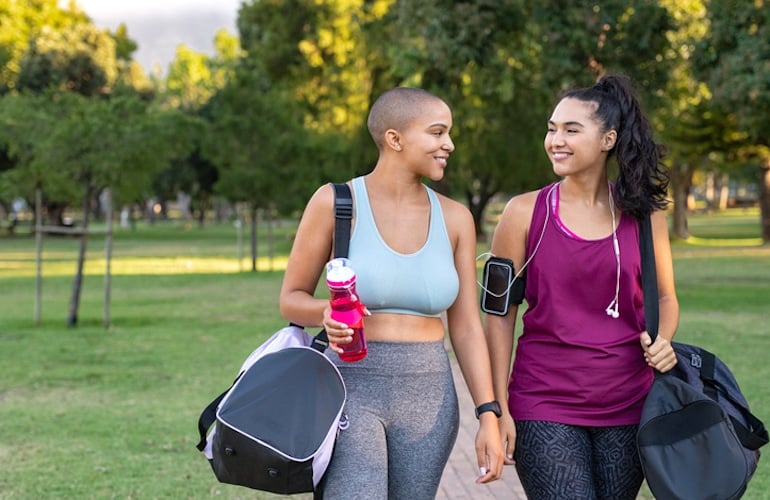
x=109, y=143
x=27, y=120
x=473, y=54
x=22, y=22
x=733, y=61
x=131, y=76
x=80, y=59
x=502, y=64
x=257, y=139
x=683, y=118
x=74, y=147
x=46, y=48
x=337, y=57
x=320, y=53
x=193, y=80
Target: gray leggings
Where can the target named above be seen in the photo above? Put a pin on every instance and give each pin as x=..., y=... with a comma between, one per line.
x=402, y=408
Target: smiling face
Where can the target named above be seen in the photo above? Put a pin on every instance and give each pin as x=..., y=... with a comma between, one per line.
x=575, y=141
x=425, y=143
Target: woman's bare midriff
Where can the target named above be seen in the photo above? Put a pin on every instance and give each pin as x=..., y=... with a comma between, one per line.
x=389, y=327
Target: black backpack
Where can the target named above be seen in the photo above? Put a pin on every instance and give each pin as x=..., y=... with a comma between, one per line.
x=697, y=437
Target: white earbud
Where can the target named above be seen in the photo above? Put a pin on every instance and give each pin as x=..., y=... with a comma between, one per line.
x=612, y=309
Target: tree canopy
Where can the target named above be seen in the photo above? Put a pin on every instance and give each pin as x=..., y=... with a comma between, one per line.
x=281, y=106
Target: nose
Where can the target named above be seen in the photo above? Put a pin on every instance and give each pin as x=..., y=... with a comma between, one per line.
x=556, y=138
x=448, y=144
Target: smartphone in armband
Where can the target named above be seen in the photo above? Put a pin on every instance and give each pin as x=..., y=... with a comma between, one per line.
x=496, y=292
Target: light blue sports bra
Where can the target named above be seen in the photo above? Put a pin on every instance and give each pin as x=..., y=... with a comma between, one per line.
x=424, y=283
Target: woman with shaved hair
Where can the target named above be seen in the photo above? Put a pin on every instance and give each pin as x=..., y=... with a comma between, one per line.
x=413, y=251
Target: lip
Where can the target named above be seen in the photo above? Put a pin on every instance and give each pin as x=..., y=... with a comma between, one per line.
x=559, y=155
x=443, y=160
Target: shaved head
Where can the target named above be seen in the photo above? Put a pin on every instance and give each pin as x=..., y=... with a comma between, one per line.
x=396, y=109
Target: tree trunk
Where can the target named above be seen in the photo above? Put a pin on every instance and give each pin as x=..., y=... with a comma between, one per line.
x=711, y=196
x=107, y=256
x=478, y=205
x=270, y=238
x=764, y=199
x=681, y=180
x=77, y=285
x=254, y=239
x=724, y=191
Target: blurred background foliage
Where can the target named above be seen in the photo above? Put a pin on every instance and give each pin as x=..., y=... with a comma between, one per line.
x=280, y=107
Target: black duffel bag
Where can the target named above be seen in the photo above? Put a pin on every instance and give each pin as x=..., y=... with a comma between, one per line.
x=697, y=437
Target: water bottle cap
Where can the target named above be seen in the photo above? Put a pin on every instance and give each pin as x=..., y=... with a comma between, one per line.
x=339, y=273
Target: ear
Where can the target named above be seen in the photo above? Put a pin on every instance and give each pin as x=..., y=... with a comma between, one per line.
x=393, y=139
x=609, y=139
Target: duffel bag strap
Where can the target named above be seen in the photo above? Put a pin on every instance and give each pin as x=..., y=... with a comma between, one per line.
x=343, y=215
x=209, y=416
x=320, y=342
x=649, y=278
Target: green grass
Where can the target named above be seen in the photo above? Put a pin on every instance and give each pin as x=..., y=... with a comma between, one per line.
x=90, y=412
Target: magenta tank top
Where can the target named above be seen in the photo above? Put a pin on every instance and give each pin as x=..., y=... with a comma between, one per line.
x=574, y=364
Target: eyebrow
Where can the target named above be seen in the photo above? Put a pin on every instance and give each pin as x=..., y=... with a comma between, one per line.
x=567, y=124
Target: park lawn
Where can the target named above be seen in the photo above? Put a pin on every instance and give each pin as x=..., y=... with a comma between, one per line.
x=90, y=412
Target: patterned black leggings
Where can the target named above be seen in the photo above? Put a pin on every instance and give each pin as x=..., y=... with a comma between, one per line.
x=565, y=462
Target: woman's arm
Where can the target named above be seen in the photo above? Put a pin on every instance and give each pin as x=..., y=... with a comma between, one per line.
x=664, y=267
x=309, y=253
x=468, y=341
x=661, y=355
x=509, y=241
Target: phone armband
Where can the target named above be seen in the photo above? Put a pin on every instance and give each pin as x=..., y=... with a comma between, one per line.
x=501, y=287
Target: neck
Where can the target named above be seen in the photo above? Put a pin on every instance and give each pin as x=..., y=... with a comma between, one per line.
x=585, y=193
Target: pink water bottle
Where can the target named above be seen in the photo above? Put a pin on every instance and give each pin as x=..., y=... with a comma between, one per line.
x=346, y=306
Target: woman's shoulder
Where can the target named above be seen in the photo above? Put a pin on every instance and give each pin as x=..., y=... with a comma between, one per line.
x=457, y=217
x=451, y=208
x=521, y=205
x=321, y=203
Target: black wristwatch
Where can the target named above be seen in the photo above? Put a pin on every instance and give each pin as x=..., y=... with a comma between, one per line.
x=492, y=406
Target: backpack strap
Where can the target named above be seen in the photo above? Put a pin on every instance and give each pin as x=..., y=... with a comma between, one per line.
x=343, y=215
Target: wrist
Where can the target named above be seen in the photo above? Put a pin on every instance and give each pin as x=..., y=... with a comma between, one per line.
x=492, y=407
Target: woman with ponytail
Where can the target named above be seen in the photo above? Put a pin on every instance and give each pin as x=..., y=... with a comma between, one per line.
x=584, y=361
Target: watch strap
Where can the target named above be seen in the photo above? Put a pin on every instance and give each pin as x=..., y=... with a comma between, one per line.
x=492, y=406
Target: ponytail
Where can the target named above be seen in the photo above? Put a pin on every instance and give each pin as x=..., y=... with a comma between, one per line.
x=642, y=182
